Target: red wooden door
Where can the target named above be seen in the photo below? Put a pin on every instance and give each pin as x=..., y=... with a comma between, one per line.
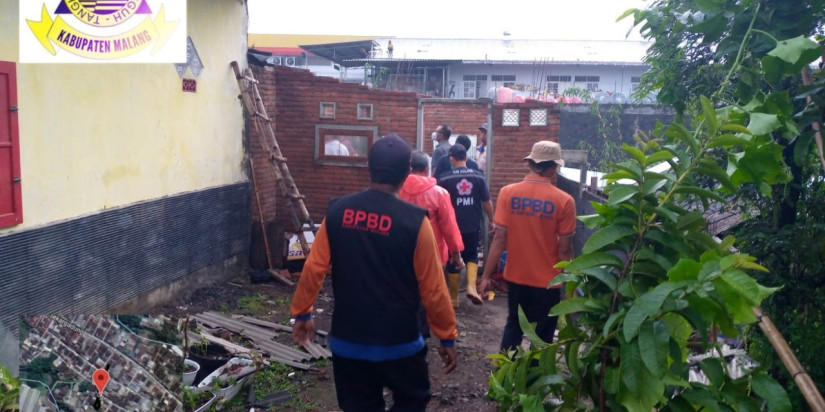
x=11, y=200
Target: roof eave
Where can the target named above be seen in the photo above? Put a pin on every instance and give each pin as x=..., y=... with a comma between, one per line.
x=555, y=62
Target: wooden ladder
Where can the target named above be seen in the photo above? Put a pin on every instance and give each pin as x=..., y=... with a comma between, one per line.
x=263, y=125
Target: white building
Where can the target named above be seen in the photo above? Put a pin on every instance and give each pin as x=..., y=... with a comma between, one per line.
x=474, y=68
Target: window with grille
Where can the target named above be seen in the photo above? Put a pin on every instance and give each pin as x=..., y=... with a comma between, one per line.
x=473, y=85
x=590, y=82
x=538, y=117
x=470, y=89
x=509, y=117
x=504, y=80
x=555, y=83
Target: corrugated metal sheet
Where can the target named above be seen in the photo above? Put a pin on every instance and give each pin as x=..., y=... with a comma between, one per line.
x=96, y=262
x=514, y=50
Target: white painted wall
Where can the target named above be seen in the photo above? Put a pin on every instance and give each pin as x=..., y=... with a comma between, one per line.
x=612, y=78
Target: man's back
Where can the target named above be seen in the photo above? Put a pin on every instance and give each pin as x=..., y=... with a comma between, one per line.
x=372, y=239
x=424, y=192
x=443, y=167
x=468, y=190
x=535, y=213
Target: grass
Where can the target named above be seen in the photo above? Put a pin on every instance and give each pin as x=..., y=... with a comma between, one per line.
x=276, y=378
x=254, y=303
x=283, y=300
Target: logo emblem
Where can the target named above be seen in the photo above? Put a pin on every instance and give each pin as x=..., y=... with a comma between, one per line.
x=464, y=187
x=104, y=30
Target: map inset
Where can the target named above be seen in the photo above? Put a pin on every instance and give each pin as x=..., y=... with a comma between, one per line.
x=59, y=356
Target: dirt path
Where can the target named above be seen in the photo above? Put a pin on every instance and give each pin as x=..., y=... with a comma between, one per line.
x=480, y=329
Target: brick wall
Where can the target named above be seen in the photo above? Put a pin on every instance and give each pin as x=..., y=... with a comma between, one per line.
x=464, y=117
x=511, y=143
x=293, y=97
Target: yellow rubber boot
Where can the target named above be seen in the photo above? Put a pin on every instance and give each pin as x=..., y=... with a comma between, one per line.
x=472, y=293
x=453, y=279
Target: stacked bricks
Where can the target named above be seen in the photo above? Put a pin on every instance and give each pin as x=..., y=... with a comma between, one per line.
x=511, y=143
x=293, y=96
x=464, y=117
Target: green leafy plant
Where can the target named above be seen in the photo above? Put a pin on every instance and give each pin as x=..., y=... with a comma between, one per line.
x=761, y=51
x=222, y=383
x=276, y=377
x=192, y=399
x=651, y=277
x=9, y=391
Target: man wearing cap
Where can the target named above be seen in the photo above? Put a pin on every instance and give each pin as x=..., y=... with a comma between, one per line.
x=470, y=197
x=535, y=222
x=481, y=156
x=384, y=263
x=444, y=166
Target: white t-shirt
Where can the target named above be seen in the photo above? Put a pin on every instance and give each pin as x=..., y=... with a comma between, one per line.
x=335, y=148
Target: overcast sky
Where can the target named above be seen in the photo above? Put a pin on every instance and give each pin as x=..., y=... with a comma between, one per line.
x=523, y=19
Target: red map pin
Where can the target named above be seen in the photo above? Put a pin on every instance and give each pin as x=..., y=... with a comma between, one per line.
x=101, y=378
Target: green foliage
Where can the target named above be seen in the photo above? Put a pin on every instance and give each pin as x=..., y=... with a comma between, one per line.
x=131, y=321
x=194, y=399
x=276, y=378
x=40, y=369
x=9, y=391
x=253, y=304
x=650, y=278
x=756, y=51
x=168, y=333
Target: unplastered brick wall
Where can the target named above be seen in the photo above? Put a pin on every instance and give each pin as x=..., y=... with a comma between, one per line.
x=511, y=143
x=463, y=117
x=292, y=98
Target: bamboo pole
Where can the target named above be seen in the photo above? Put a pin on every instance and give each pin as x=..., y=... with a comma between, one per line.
x=800, y=376
x=807, y=79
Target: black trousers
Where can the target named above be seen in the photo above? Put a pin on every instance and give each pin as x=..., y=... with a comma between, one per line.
x=536, y=303
x=360, y=384
x=470, y=252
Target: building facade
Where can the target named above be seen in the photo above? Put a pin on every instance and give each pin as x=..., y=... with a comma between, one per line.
x=119, y=178
x=609, y=71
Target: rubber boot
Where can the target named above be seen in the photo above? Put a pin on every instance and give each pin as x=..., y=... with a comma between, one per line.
x=453, y=280
x=472, y=293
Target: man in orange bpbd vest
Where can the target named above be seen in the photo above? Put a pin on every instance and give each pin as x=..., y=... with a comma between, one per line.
x=535, y=223
x=384, y=263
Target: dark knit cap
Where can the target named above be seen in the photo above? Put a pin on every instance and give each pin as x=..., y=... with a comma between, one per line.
x=389, y=160
x=458, y=152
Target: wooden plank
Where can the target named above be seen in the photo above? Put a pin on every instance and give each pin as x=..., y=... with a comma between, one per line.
x=229, y=346
x=574, y=156
x=277, y=275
